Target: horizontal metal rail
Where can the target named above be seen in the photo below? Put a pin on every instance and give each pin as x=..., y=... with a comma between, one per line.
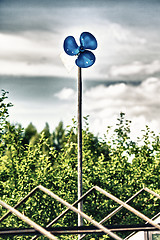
x=122, y=206
x=28, y=221
x=71, y=207
x=77, y=230
x=82, y=214
x=67, y=210
x=116, y=210
x=157, y=196
x=131, y=209
x=101, y=228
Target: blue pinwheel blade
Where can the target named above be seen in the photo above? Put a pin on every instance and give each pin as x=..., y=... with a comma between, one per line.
x=85, y=59
x=70, y=46
x=88, y=41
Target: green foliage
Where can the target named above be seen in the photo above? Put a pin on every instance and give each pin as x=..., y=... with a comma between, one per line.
x=58, y=136
x=30, y=134
x=28, y=159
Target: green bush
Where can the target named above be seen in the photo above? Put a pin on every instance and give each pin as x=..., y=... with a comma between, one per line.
x=27, y=164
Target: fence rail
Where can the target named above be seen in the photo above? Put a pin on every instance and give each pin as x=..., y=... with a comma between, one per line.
x=97, y=226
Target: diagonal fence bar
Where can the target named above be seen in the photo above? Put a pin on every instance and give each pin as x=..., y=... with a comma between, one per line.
x=71, y=207
x=95, y=223
x=152, y=192
x=107, y=217
x=120, y=207
x=18, y=204
x=131, y=209
x=56, y=219
x=85, y=195
x=28, y=221
x=116, y=210
x=67, y=210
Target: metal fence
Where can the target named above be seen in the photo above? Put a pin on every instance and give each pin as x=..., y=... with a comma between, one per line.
x=49, y=231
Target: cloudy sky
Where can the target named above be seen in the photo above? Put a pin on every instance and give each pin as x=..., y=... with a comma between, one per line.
x=42, y=79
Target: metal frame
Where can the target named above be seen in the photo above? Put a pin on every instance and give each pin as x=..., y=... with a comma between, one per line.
x=77, y=230
x=99, y=227
x=28, y=221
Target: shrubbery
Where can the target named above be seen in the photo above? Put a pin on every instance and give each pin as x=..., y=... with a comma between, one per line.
x=24, y=164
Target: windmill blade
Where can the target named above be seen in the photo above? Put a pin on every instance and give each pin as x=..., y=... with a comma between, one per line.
x=70, y=46
x=85, y=59
x=88, y=41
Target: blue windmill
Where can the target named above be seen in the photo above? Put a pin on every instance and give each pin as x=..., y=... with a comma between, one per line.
x=85, y=58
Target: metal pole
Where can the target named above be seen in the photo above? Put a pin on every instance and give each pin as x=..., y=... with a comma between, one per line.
x=64, y=212
x=77, y=230
x=80, y=205
x=89, y=219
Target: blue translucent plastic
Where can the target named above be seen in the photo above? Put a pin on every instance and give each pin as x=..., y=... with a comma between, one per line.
x=70, y=46
x=87, y=41
x=85, y=59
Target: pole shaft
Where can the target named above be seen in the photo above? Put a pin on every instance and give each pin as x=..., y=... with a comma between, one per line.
x=80, y=205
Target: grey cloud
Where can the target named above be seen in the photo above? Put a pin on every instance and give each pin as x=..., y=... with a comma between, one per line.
x=19, y=20
x=130, y=13
x=19, y=16
x=32, y=59
x=54, y=3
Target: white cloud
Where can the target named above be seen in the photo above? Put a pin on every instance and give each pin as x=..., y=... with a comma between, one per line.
x=124, y=35
x=103, y=104
x=66, y=94
x=26, y=55
x=25, y=45
x=140, y=103
x=30, y=69
x=29, y=51
x=135, y=68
